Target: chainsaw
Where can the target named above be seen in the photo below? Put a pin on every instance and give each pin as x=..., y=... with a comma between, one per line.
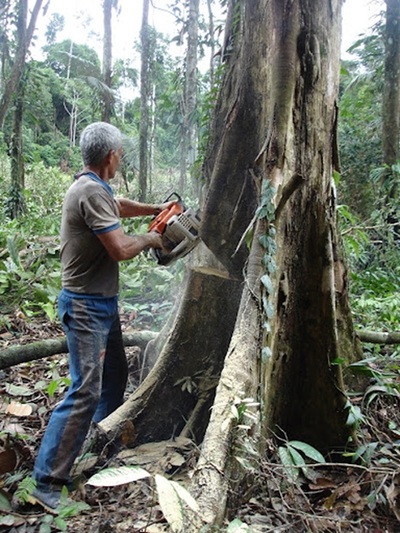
x=179, y=229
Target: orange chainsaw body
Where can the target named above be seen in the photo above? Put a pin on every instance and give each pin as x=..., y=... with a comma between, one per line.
x=160, y=222
x=179, y=228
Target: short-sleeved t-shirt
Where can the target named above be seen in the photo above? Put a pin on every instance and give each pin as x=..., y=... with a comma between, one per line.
x=89, y=209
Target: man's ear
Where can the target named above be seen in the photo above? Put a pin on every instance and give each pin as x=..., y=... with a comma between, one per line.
x=108, y=157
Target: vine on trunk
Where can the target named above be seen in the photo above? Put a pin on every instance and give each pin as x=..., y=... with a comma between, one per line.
x=266, y=213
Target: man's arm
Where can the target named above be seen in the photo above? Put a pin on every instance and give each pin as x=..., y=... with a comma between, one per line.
x=130, y=208
x=121, y=246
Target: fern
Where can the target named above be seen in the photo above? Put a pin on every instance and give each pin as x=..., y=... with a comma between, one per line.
x=25, y=489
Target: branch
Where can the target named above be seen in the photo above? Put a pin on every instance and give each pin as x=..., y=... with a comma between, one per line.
x=14, y=355
x=379, y=337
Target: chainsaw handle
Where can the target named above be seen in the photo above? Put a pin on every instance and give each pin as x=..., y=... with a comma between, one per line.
x=160, y=221
x=172, y=195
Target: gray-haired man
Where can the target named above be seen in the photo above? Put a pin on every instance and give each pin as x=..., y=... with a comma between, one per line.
x=92, y=244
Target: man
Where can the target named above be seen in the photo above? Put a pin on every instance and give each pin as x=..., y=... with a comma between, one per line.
x=92, y=244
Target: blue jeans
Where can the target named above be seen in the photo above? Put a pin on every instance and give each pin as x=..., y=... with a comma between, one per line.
x=98, y=370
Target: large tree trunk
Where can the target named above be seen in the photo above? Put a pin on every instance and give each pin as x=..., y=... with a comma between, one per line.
x=275, y=123
x=305, y=396
x=176, y=396
x=391, y=92
x=15, y=205
x=107, y=59
x=144, y=103
x=19, y=60
x=189, y=101
x=291, y=59
x=197, y=341
x=391, y=114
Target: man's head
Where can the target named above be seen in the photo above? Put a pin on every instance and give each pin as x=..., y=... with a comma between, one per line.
x=97, y=141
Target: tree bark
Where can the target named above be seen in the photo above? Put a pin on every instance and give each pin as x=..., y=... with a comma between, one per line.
x=391, y=114
x=107, y=58
x=190, y=95
x=17, y=354
x=275, y=121
x=391, y=91
x=15, y=206
x=218, y=473
x=144, y=103
x=305, y=392
x=19, y=60
x=379, y=337
x=187, y=369
x=295, y=85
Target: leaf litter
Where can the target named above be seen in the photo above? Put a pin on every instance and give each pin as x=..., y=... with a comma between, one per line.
x=335, y=497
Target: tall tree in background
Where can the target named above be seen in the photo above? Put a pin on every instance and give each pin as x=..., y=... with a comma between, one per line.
x=189, y=100
x=144, y=103
x=18, y=62
x=15, y=202
x=391, y=93
x=391, y=111
x=108, y=6
x=14, y=90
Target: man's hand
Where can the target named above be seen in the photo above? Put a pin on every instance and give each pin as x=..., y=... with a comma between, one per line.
x=130, y=208
x=166, y=205
x=156, y=240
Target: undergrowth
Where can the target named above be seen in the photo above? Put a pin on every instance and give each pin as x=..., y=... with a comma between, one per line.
x=30, y=277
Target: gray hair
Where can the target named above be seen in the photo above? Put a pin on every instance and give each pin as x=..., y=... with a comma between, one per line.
x=97, y=140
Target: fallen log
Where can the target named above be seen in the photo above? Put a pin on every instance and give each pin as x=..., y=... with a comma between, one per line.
x=379, y=337
x=16, y=354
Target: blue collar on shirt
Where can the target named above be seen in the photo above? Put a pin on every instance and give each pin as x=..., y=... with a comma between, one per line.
x=96, y=178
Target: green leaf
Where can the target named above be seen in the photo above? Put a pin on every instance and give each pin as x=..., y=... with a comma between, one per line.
x=338, y=361
x=52, y=387
x=71, y=508
x=354, y=416
x=336, y=177
x=267, y=242
x=287, y=461
x=245, y=463
x=60, y=523
x=111, y=477
x=45, y=528
x=308, y=450
x=268, y=308
x=266, y=354
x=237, y=526
x=7, y=520
x=18, y=390
x=5, y=505
x=297, y=458
x=267, y=282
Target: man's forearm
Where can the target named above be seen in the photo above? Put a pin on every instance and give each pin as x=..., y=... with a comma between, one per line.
x=121, y=246
x=130, y=208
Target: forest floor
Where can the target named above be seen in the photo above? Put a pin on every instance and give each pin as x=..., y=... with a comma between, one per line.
x=334, y=497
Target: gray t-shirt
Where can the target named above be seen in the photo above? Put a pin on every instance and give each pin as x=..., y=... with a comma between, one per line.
x=89, y=209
